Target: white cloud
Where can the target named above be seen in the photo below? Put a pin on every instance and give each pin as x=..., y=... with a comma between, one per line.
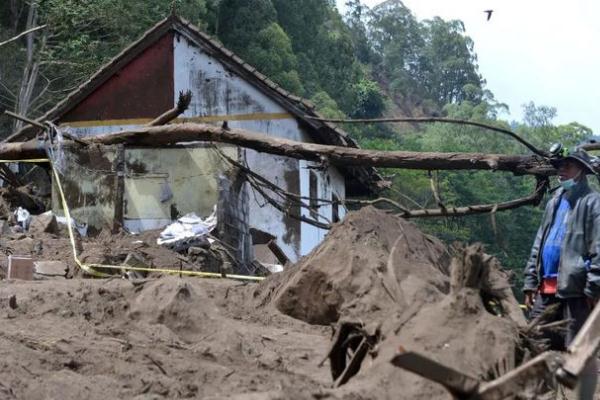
x=539, y=50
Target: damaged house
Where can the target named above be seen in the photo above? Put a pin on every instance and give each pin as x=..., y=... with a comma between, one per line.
x=142, y=188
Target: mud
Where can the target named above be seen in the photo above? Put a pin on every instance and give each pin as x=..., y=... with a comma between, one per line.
x=172, y=337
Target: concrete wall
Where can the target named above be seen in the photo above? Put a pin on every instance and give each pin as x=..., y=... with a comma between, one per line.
x=191, y=175
x=218, y=93
x=163, y=184
x=88, y=181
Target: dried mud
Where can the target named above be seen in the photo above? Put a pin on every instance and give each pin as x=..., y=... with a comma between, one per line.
x=174, y=337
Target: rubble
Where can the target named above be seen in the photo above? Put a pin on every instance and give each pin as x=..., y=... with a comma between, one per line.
x=20, y=267
x=49, y=269
x=44, y=223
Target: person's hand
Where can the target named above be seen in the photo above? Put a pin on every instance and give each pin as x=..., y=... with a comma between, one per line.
x=529, y=299
x=591, y=302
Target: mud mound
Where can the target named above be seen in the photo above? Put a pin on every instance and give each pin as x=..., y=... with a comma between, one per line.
x=156, y=339
x=350, y=274
x=386, y=285
x=175, y=304
x=459, y=331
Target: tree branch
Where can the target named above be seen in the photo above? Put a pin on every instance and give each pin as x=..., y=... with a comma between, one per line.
x=20, y=35
x=533, y=199
x=512, y=134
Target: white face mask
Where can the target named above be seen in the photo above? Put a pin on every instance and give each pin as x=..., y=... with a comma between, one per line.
x=569, y=184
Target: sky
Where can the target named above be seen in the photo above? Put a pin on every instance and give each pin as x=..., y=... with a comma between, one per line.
x=545, y=51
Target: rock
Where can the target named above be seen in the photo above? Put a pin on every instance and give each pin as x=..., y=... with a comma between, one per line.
x=49, y=269
x=44, y=223
x=12, y=302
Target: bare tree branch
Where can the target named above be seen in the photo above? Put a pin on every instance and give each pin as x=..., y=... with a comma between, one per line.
x=512, y=134
x=20, y=35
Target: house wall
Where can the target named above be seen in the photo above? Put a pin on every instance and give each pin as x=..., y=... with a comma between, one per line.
x=220, y=95
x=192, y=175
x=160, y=184
x=163, y=184
x=88, y=182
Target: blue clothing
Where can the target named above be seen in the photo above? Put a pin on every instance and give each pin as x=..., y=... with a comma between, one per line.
x=553, y=242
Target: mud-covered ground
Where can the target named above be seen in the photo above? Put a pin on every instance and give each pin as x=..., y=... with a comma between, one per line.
x=165, y=338
x=171, y=337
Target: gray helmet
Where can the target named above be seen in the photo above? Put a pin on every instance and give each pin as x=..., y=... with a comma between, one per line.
x=561, y=154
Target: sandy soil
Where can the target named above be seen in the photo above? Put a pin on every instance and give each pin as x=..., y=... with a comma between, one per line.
x=174, y=337
x=165, y=338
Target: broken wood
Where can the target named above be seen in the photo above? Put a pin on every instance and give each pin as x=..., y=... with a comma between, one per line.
x=182, y=104
x=520, y=379
x=119, y=188
x=463, y=386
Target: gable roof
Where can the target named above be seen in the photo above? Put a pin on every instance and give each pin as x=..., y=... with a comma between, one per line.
x=360, y=180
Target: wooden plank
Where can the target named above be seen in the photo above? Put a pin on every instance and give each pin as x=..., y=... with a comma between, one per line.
x=459, y=384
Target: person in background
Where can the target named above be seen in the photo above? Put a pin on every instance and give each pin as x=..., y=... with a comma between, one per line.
x=564, y=265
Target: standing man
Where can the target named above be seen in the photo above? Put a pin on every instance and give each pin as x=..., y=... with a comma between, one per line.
x=564, y=266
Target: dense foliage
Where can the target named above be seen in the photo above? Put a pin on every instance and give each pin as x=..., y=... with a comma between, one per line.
x=367, y=63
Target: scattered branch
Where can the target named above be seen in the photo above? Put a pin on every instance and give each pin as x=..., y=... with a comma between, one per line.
x=533, y=199
x=25, y=119
x=512, y=134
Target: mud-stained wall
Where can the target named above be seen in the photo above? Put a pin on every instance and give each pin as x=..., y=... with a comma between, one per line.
x=164, y=184
x=329, y=186
x=219, y=94
x=160, y=184
x=88, y=182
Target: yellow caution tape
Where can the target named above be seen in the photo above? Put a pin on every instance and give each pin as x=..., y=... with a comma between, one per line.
x=89, y=268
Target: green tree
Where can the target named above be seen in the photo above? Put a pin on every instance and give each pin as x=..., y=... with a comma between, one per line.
x=240, y=21
x=271, y=53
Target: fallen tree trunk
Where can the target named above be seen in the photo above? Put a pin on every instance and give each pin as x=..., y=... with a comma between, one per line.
x=22, y=150
x=346, y=156
x=336, y=155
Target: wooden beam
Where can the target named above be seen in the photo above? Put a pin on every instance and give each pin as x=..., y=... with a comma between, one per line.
x=119, y=167
x=584, y=348
x=22, y=150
